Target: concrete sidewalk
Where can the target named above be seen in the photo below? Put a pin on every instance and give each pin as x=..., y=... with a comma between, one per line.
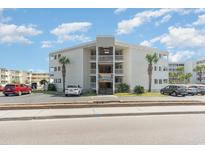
x=9, y=115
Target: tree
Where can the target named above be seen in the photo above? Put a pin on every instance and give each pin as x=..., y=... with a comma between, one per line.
x=64, y=61
x=43, y=82
x=187, y=77
x=151, y=59
x=199, y=70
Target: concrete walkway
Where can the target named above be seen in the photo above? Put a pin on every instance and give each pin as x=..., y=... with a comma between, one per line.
x=98, y=112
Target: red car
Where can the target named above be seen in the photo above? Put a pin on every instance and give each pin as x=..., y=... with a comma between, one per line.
x=16, y=89
x=1, y=88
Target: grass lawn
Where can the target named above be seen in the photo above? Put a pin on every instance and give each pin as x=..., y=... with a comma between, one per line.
x=148, y=94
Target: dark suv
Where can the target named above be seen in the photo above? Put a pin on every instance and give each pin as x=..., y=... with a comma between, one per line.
x=174, y=90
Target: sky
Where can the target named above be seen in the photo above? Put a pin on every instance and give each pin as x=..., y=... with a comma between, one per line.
x=27, y=36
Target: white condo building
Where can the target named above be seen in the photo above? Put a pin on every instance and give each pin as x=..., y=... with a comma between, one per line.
x=102, y=64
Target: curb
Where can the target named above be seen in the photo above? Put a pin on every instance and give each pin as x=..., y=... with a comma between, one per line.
x=100, y=115
x=96, y=104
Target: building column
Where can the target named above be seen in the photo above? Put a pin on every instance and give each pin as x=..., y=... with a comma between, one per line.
x=97, y=75
x=113, y=70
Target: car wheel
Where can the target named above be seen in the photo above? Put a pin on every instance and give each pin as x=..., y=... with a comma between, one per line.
x=66, y=95
x=6, y=94
x=174, y=93
x=19, y=93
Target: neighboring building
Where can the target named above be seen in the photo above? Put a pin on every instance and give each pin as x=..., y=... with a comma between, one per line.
x=22, y=77
x=188, y=68
x=173, y=69
x=37, y=77
x=102, y=64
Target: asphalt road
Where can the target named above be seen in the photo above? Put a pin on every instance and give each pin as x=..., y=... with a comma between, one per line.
x=45, y=98
x=167, y=129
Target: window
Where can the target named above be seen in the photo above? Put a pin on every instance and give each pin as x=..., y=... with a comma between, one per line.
x=118, y=79
x=165, y=80
x=92, y=79
x=59, y=55
x=51, y=69
x=155, y=68
x=59, y=80
x=155, y=81
x=164, y=69
x=160, y=81
x=160, y=68
x=59, y=68
x=55, y=69
x=55, y=57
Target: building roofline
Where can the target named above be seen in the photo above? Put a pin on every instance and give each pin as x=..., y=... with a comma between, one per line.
x=117, y=42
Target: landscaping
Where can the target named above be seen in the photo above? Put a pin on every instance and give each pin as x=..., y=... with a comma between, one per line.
x=147, y=94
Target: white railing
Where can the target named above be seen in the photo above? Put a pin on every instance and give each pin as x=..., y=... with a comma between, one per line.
x=92, y=85
x=93, y=57
x=105, y=58
x=118, y=57
x=105, y=77
x=92, y=71
x=118, y=71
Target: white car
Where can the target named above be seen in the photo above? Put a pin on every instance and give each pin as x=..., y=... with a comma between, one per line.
x=73, y=90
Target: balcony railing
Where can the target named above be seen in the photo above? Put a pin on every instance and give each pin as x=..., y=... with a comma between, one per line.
x=118, y=57
x=93, y=57
x=105, y=58
x=118, y=71
x=106, y=77
x=92, y=85
x=92, y=71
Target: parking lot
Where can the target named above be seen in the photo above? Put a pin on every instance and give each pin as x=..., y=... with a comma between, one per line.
x=48, y=98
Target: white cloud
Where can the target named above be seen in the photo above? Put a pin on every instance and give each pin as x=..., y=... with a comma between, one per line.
x=200, y=20
x=127, y=26
x=181, y=56
x=119, y=11
x=72, y=31
x=11, y=33
x=2, y=17
x=47, y=44
x=180, y=37
x=163, y=20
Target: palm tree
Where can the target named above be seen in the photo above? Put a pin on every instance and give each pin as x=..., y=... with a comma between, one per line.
x=199, y=70
x=151, y=58
x=64, y=61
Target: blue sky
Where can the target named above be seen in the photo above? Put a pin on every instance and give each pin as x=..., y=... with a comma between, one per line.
x=28, y=35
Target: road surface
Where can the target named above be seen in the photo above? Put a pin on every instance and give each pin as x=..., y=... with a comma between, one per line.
x=164, y=129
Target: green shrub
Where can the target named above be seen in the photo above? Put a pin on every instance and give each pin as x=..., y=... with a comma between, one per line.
x=51, y=87
x=122, y=87
x=139, y=89
x=89, y=93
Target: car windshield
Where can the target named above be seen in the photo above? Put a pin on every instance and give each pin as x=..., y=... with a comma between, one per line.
x=10, y=86
x=72, y=86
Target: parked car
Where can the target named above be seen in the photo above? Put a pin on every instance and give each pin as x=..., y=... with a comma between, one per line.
x=201, y=90
x=192, y=90
x=174, y=90
x=16, y=89
x=73, y=90
x=1, y=88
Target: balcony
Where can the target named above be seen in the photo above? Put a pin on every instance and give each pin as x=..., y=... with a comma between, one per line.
x=118, y=71
x=118, y=57
x=105, y=77
x=92, y=71
x=105, y=58
x=93, y=57
x=93, y=85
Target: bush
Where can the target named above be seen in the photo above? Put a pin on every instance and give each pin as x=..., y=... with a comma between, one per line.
x=123, y=87
x=51, y=87
x=139, y=89
x=89, y=93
